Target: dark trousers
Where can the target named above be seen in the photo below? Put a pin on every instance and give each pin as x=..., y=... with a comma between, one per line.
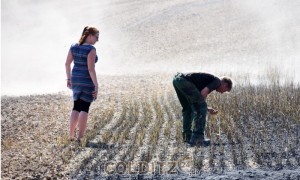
x=194, y=107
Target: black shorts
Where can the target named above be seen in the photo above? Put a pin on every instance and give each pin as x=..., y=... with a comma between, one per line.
x=81, y=105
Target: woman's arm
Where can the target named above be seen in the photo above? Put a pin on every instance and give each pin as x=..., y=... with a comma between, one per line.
x=68, y=68
x=91, y=66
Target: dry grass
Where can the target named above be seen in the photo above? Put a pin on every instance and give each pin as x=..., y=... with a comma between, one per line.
x=257, y=127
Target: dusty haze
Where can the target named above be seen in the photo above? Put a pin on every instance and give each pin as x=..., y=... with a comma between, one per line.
x=233, y=37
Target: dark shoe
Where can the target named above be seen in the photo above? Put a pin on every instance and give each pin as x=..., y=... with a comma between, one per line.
x=206, y=142
x=200, y=141
x=186, y=137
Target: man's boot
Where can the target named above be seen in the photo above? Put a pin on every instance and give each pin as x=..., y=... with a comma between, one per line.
x=199, y=141
x=186, y=137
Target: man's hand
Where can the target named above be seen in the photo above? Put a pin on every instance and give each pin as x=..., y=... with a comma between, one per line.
x=212, y=111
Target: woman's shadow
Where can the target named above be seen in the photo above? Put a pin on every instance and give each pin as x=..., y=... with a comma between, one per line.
x=99, y=145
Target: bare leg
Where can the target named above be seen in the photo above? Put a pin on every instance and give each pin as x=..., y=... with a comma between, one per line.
x=82, y=119
x=73, y=123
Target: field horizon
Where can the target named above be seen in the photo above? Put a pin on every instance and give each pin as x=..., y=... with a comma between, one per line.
x=148, y=37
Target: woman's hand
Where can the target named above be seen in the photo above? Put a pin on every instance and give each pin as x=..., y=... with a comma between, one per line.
x=95, y=93
x=69, y=83
x=212, y=111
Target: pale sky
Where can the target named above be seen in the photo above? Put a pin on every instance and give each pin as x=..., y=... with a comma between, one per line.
x=235, y=36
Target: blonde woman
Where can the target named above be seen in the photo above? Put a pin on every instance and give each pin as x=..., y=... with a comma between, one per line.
x=83, y=79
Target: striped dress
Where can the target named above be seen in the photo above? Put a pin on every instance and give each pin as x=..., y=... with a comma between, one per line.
x=82, y=84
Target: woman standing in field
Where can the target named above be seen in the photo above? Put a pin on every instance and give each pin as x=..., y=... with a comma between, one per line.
x=83, y=79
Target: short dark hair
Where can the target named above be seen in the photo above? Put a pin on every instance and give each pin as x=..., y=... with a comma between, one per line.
x=228, y=81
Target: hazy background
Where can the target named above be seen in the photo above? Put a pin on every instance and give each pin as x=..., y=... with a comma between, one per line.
x=231, y=37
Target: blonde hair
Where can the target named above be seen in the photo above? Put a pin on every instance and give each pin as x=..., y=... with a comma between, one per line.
x=86, y=32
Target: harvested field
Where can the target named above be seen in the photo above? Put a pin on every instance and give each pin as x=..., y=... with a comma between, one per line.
x=134, y=127
x=134, y=131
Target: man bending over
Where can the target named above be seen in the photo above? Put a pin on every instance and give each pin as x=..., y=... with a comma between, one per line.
x=192, y=90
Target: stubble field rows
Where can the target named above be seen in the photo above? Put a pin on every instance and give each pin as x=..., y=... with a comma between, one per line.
x=134, y=131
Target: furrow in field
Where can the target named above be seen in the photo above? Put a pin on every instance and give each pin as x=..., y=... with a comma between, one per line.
x=99, y=150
